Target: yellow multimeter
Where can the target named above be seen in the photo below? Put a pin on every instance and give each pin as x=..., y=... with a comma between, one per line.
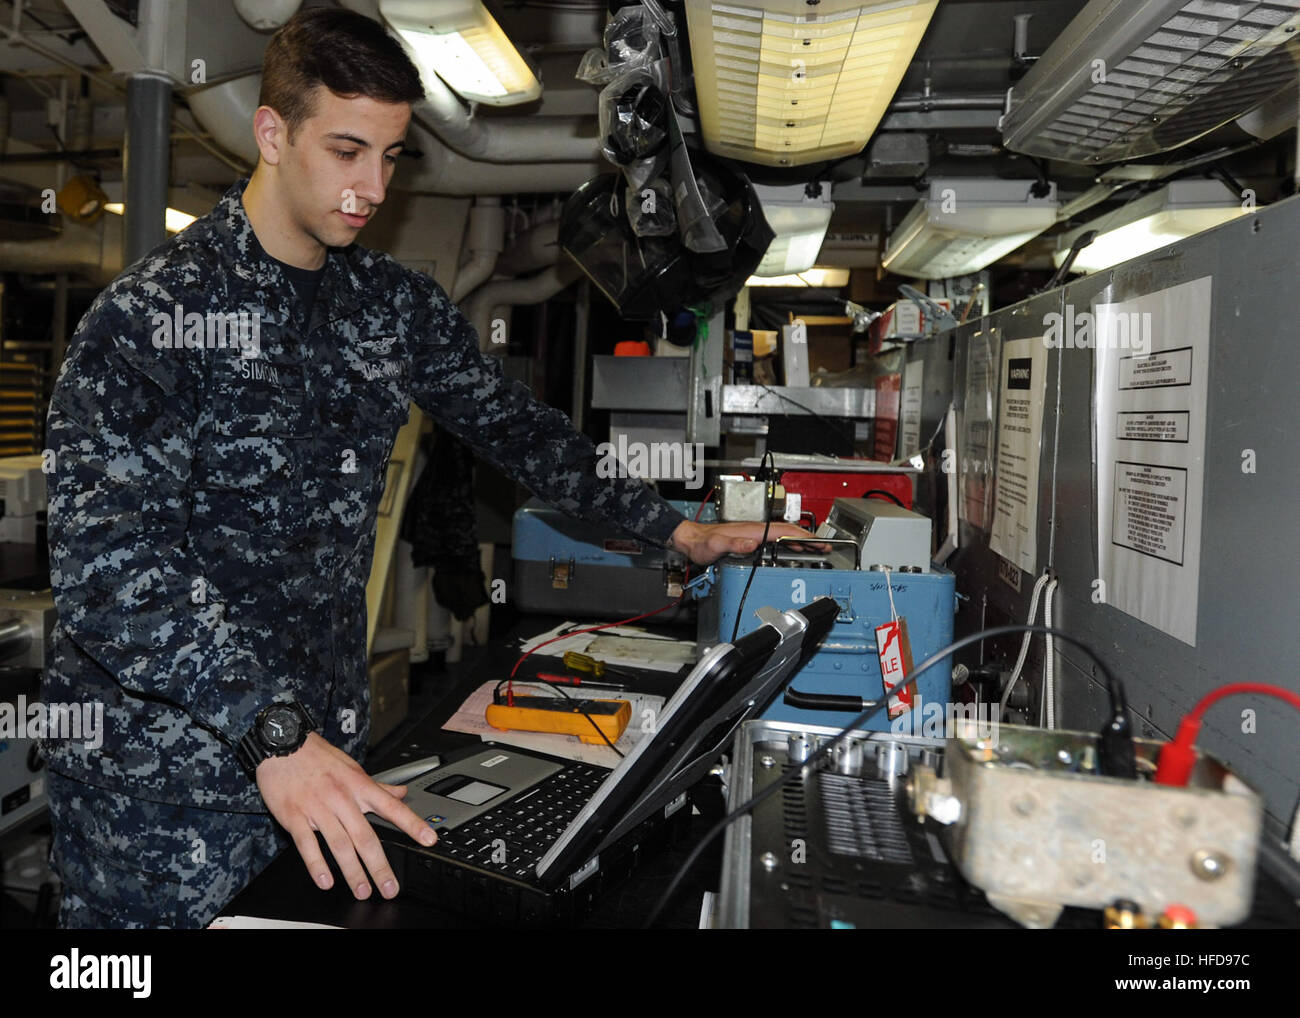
x=563, y=716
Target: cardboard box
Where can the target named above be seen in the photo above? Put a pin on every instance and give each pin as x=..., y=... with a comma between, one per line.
x=830, y=348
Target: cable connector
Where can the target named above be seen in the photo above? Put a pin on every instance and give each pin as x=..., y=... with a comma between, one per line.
x=1177, y=758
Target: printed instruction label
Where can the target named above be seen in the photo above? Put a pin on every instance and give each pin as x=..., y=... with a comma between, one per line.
x=1151, y=510
x=975, y=465
x=1173, y=426
x=1014, y=534
x=1150, y=421
x=1156, y=370
x=910, y=416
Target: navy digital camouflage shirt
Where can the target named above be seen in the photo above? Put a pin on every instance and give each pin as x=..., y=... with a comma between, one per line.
x=217, y=476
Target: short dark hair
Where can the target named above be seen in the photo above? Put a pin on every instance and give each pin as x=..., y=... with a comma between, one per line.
x=347, y=52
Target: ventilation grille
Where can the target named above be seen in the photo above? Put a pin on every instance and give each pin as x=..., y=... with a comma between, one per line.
x=1206, y=64
x=861, y=820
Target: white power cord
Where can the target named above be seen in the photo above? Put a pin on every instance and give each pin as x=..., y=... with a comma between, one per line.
x=1295, y=835
x=1049, y=666
x=1024, y=644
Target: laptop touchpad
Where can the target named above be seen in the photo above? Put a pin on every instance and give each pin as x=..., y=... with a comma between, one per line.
x=462, y=788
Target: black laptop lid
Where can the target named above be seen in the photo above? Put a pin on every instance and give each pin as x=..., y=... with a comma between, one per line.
x=730, y=684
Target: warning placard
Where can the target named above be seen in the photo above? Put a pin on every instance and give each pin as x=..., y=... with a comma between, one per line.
x=1170, y=426
x=1150, y=420
x=1156, y=370
x=1014, y=534
x=1151, y=510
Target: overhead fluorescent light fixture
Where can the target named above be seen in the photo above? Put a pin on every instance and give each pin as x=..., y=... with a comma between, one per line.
x=174, y=219
x=1156, y=220
x=788, y=83
x=965, y=225
x=460, y=42
x=799, y=219
x=1130, y=78
x=829, y=278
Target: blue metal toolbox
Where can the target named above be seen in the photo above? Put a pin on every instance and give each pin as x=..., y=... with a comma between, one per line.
x=569, y=567
x=846, y=664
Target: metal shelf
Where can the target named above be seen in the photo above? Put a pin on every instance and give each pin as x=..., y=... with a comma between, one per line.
x=782, y=399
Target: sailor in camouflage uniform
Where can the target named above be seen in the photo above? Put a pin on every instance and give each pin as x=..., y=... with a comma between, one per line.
x=222, y=442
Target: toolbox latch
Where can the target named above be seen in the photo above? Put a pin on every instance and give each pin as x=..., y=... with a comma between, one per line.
x=674, y=578
x=561, y=574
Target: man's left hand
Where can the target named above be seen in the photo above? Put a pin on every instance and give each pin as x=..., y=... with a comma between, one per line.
x=704, y=543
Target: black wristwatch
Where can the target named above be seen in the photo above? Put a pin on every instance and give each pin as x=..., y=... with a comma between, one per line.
x=277, y=730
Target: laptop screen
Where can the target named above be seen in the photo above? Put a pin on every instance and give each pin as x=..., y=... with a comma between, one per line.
x=731, y=683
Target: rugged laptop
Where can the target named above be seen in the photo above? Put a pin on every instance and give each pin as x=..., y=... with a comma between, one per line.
x=530, y=839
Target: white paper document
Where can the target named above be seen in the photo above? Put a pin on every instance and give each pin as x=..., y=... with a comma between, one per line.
x=910, y=412
x=471, y=718
x=976, y=440
x=1014, y=534
x=620, y=646
x=1152, y=363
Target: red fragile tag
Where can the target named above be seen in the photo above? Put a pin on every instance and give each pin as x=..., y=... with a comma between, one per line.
x=895, y=652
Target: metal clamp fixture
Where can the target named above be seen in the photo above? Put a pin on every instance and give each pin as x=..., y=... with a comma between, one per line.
x=701, y=586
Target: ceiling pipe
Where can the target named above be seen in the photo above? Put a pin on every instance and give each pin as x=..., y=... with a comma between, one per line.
x=93, y=253
x=485, y=303
x=226, y=111
x=266, y=15
x=496, y=139
x=442, y=171
x=535, y=248
x=484, y=240
x=504, y=139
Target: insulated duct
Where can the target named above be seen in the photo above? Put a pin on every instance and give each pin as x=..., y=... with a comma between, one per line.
x=442, y=171
x=226, y=111
x=505, y=139
x=533, y=249
x=482, y=305
x=92, y=253
x=484, y=240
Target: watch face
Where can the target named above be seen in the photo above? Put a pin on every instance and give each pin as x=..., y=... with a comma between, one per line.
x=281, y=727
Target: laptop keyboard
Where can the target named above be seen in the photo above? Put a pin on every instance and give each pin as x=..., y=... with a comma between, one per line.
x=511, y=838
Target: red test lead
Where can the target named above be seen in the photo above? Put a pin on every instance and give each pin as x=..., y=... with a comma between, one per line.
x=1177, y=758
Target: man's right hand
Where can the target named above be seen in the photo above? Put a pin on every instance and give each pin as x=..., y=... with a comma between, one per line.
x=318, y=787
